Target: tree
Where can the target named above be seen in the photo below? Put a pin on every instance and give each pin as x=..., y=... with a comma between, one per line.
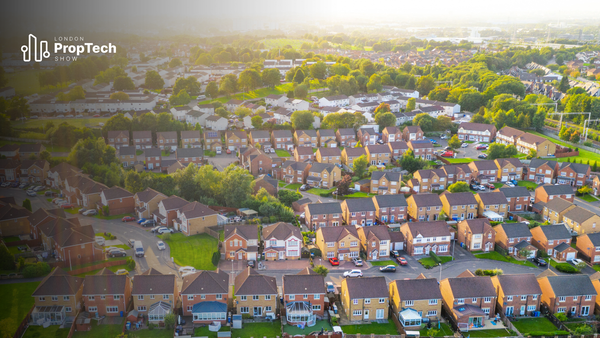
x=7, y=260
x=222, y=112
x=257, y=121
x=271, y=77
x=288, y=197
x=121, y=96
x=236, y=184
x=411, y=104
x=458, y=187
x=229, y=84
x=359, y=166
x=175, y=62
x=425, y=121
x=454, y=142
x=382, y=108
x=425, y=84
x=189, y=84
x=318, y=70
x=302, y=119
x=299, y=76
x=532, y=154
x=123, y=83
x=27, y=204
x=411, y=163
x=212, y=90
x=180, y=99
x=249, y=79
x=133, y=182
x=301, y=91
x=344, y=185
x=153, y=80
x=385, y=120
x=170, y=319
x=563, y=86
x=321, y=270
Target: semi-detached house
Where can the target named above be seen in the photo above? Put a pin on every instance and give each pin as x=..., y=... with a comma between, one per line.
x=106, y=294
x=341, y=242
x=319, y=215
x=359, y=211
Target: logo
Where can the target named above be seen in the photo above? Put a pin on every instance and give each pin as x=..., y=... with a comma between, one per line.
x=39, y=51
x=43, y=52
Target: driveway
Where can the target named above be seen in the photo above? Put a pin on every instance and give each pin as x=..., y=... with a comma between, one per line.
x=222, y=161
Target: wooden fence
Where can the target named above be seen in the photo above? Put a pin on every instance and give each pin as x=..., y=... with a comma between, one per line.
x=24, y=324
x=29, y=242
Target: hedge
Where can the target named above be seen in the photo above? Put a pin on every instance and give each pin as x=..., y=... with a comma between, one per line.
x=566, y=267
x=435, y=257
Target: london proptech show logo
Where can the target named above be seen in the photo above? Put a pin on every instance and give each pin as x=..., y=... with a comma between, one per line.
x=37, y=52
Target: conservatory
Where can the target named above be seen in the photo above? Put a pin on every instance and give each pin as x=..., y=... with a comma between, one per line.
x=48, y=315
x=209, y=311
x=300, y=313
x=158, y=311
x=409, y=317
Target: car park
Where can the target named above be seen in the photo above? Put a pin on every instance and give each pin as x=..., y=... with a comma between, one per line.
x=128, y=219
x=388, y=268
x=353, y=273
x=91, y=212
x=161, y=245
x=539, y=262
x=334, y=261
x=401, y=260
x=357, y=261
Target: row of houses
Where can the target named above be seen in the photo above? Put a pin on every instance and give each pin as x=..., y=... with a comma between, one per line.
x=526, y=142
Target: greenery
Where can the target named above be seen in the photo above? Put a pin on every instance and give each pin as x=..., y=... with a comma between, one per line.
x=458, y=187
x=494, y=272
x=429, y=262
x=269, y=330
x=563, y=267
x=100, y=331
x=7, y=260
x=196, y=250
x=527, y=184
x=204, y=332
x=320, y=324
x=367, y=329
x=492, y=333
x=52, y=331
x=443, y=330
x=16, y=302
x=541, y=326
x=321, y=270
x=383, y=263
x=282, y=152
x=38, y=269
x=589, y=198
x=494, y=255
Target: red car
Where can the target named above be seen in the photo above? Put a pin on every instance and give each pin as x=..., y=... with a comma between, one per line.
x=128, y=219
x=447, y=154
x=334, y=261
x=97, y=115
x=402, y=260
x=481, y=147
x=228, y=151
x=491, y=186
x=67, y=206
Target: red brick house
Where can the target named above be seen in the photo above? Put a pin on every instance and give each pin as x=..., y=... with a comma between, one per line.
x=476, y=235
x=555, y=240
x=588, y=246
x=190, y=155
x=548, y=192
x=282, y=139
x=412, y=133
x=240, y=242
x=470, y=299
x=302, y=293
x=153, y=158
x=155, y=295
x=359, y=211
x=375, y=241
x=517, y=198
x=518, y=295
x=346, y=137
x=295, y=172
x=513, y=237
x=425, y=237
x=391, y=134
x=541, y=171
x=118, y=200
x=390, y=208
x=570, y=294
x=167, y=210
x=106, y=294
x=118, y=138
x=258, y=164
x=203, y=290
x=319, y=215
x=573, y=174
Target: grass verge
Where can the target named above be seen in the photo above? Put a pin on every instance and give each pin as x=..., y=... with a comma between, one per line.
x=496, y=256
x=383, y=263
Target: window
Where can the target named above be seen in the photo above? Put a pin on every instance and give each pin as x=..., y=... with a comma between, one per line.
x=141, y=308
x=489, y=299
x=141, y=297
x=243, y=298
x=534, y=297
x=531, y=308
x=91, y=298
x=112, y=309
x=381, y=300
x=367, y=301
x=355, y=301
x=292, y=297
x=219, y=296
x=116, y=297
x=575, y=298
x=433, y=302
x=588, y=297
x=409, y=302
x=431, y=313
x=316, y=307
x=474, y=300
x=561, y=309
x=267, y=297
x=509, y=298
x=55, y=298
x=92, y=309
x=255, y=297
x=202, y=296
x=68, y=309
x=43, y=299
x=244, y=309
x=460, y=301
x=486, y=310
x=152, y=296
x=66, y=298
x=562, y=299
x=191, y=297
x=357, y=313
x=524, y=297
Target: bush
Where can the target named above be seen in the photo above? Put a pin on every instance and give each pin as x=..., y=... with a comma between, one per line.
x=435, y=257
x=151, y=326
x=566, y=268
x=166, y=237
x=548, y=334
x=587, y=143
x=130, y=263
x=216, y=257
x=38, y=269
x=561, y=316
x=170, y=321
x=334, y=321
x=494, y=272
x=325, y=194
x=316, y=252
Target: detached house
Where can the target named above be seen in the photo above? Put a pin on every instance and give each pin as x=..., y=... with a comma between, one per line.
x=34, y=171
x=329, y=155
x=282, y=139
x=573, y=174
x=375, y=241
x=341, y=242
x=492, y=205
x=259, y=163
x=412, y=133
x=118, y=200
x=367, y=136
x=541, y=171
x=118, y=138
x=167, y=210
x=397, y=149
x=422, y=149
x=378, y=154
x=323, y=175
x=153, y=158
x=385, y=182
x=191, y=139
x=166, y=140
x=351, y=154
x=554, y=240
x=295, y=172
x=480, y=132
x=241, y=242
x=415, y=301
x=390, y=208
x=193, y=218
x=359, y=211
x=127, y=156
x=484, y=171
x=572, y=295
x=260, y=137
x=588, y=246
x=306, y=138
x=282, y=241
x=346, y=137
x=424, y=207
x=304, y=297
x=430, y=180
x=459, y=206
x=236, y=139
x=188, y=156
x=582, y=221
x=528, y=142
x=471, y=300
x=142, y=139
x=425, y=237
x=555, y=210
x=365, y=299
x=518, y=295
x=547, y=192
x=323, y=215
x=155, y=295
x=327, y=138
x=391, y=134
x=212, y=141
x=514, y=237
x=204, y=296
x=106, y=294
x=256, y=294
x=146, y=202
x=57, y=297
x=458, y=173
x=476, y=235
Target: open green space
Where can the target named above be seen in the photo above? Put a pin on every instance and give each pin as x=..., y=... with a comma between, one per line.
x=584, y=155
x=588, y=198
x=527, y=184
x=442, y=331
x=496, y=256
x=282, y=153
x=367, y=329
x=255, y=94
x=25, y=82
x=100, y=331
x=318, y=191
x=268, y=330
x=383, y=263
x=320, y=324
x=196, y=251
x=77, y=122
x=359, y=194
x=52, y=331
x=280, y=43
x=490, y=333
x=539, y=326
x=156, y=333
x=293, y=186
x=16, y=303
x=429, y=262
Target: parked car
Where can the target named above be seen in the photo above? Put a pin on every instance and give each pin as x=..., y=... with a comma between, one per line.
x=357, y=261
x=128, y=219
x=394, y=253
x=91, y=212
x=388, y=268
x=447, y=154
x=251, y=264
x=444, y=137
x=57, y=200
x=515, y=182
x=67, y=206
x=131, y=242
x=122, y=272
x=482, y=156
x=149, y=223
x=141, y=220
x=401, y=260
x=510, y=184
x=164, y=230
x=228, y=151
x=539, y=261
x=432, y=141
x=353, y=273
x=49, y=193
x=185, y=269
x=482, y=188
x=155, y=229
x=576, y=261
x=116, y=252
x=464, y=145
x=334, y=261
x=218, y=152
x=96, y=115
x=304, y=187
x=329, y=287
x=5, y=184
x=481, y=147
x=491, y=186
x=31, y=193
x=161, y=245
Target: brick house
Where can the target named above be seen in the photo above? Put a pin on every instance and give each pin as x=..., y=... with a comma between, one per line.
x=83, y=191
x=190, y=155
x=341, y=242
x=555, y=210
x=155, y=295
x=146, y=202
x=581, y=220
x=425, y=237
x=167, y=210
x=142, y=139
x=424, y=207
x=588, y=246
x=73, y=243
x=191, y=139
x=476, y=235
x=541, y=171
x=106, y=294
x=255, y=294
x=459, y=206
x=430, y=180
x=42, y=216
x=527, y=142
x=305, y=290
x=236, y=139
x=385, y=182
x=397, y=149
x=240, y=242
x=306, y=138
x=509, y=235
x=554, y=240
x=573, y=174
x=484, y=171
x=508, y=136
x=470, y=300
x=547, y=192
x=282, y=139
x=118, y=138
x=9, y=170
x=412, y=133
x=390, y=208
x=421, y=295
x=375, y=241
x=295, y=172
x=458, y=173
x=212, y=140
x=346, y=137
x=118, y=200
x=58, y=174
x=153, y=158
x=11, y=151
x=329, y=155
x=391, y=134
x=571, y=294
x=58, y=292
x=359, y=211
x=517, y=198
x=367, y=136
x=378, y=154
x=259, y=137
x=518, y=295
x=327, y=138
x=480, y=132
x=509, y=169
x=258, y=164
x=14, y=220
x=127, y=156
x=422, y=149
x=268, y=183
x=323, y=175
x=365, y=299
x=492, y=202
x=350, y=154
x=26, y=150
x=596, y=185
x=166, y=140
x=282, y=241
x=34, y=171
x=303, y=154
x=323, y=215
x=205, y=293
x=193, y=218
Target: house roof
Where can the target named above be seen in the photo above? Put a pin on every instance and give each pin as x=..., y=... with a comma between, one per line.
x=281, y=231
x=326, y=132
x=359, y=204
x=41, y=214
x=513, y=230
x=556, y=189
x=555, y=231
x=418, y=289
x=334, y=234
x=391, y=130
x=58, y=283
x=195, y=210
x=579, y=168
x=282, y=133
x=510, y=132
x=579, y=214
x=420, y=144
x=26, y=164
x=173, y=202
x=515, y=192
x=468, y=287
x=260, y=134
x=478, y=225
x=413, y=129
x=378, y=149
x=303, y=151
x=367, y=287
x=303, y=284
x=477, y=126
x=491, y=198
x=390, y=201
x=167, y=134
x=335, y=151
x=70, y=236
x=536, y=162
x=189, y=152
x=358, y=151
x=532, y=139
x=389, y=175
x=295, y=165
x=127, y=151
x=324, y=208
x=12, y=211
x=521, y=284
x=30, y=148
x=249, y=283
x=426, y=200
x=514, y=161
x=190, y=134
x=459, y=198
x=319, y=167
x=346, y=132
x=427, y=229
x=594, y=238
x=154, y=284
x=140, y=134
x=117, y=133
x=152, y=152
x=248, y=232
x=105, y=283
x=485, y=165
x=562, y=247
x=206, y=282
x=116, y=192
x=571, y=285
x=147, y=195
x=379, y=231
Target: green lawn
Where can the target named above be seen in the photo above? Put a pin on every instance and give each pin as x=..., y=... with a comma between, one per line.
x=258, y=330
x=293, y=186
x=490, y=333
x=258, y=93
x=359, y=194
x=556, y=264
x=156, y=333
x=282, y=184
x=321, y=324
x=494, y=255
x=79, y=123
x=52, y=331
x=583, y=154
x=13, y=250
x=428, y=261
x=25, y=82
x=315, y=150
x=318, y=191
x=588, y=198
x=460, y=160
x=282, y=153
x=498, y=185
x=383, y=263
x=527, y=184
x=367, y=329
x=196, y=251
x=100, y=331
x=16, y=302
x=204, y=332
x=11, y=239
x=537, y=325
x=443, y=330
x=574, y=326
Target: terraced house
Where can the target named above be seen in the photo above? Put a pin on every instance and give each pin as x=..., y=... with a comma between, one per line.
x=476, y=234
x=241, y=242
x=582, y=221
x=365, y=299
x=541, y=171
x=414, y=301
x=425, y=237
x=329, y=155
x=424, y=207
x=304, y=297
x=528, y=142
x=323, y=175
x=457, y=173
x=34, y=171
x=118, y=200
x=479, y=132
x=555, y=209
x=359, y=211
x=167, y=140
x=430, y=180
x=375, y=241
x=390, y=208
x=350, y=154
x=378, y=154
x=204, y=296
x=106, y=294
x=306, y=138
x=341, y=242
x=256, y=294
x=323, y=215
x=508, y=136
x=573, y=174
x=295, y=172
x=459, y=206
x=302, y=154
x=188, y=156
x=327, y=138
x=282, y=241
x=509, y=169
x=346, y=137
x=385, y=182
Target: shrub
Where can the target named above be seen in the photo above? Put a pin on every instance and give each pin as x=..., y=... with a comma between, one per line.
x=566, y=268
x=38, y=269
x=170, y=321
x=216, y=257
x=325, y=194
x=548, y=334
x=151, y=326
x=494, y=272
x=130, y=263
x=561, y=316
x=316, y=252
x=435, y=257
x=587, y=143
x=166, y=237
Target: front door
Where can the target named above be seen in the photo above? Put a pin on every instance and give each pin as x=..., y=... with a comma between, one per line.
x=366, y=316
x=281, y=254
x=374, y=254
x=379, y=314
x=522, y=310
x=509, y=310
x=240, y=255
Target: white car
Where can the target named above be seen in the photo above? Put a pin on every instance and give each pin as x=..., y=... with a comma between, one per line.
x=31, y=193
x=576, y=261
x=161, y=245
x=58, y=201
x=510, y=184
x=444, y=137
x=163, y=230
x=91, y=212
x=187, y=269
x=353, y=273
x=464, y=145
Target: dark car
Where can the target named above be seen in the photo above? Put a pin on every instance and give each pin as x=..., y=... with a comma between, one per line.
x=251, y=264
x=388, y=268
x=149, y=223
x=539, y=261
x=394, y=253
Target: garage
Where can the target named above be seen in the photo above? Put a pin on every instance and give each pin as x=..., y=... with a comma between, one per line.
x=232, y=148
x=547, y=180
x=504, y=178
x=571, y=256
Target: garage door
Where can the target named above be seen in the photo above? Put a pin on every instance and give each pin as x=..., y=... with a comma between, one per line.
x=232, y=148
x=547, y=180
x=399, y=246
x=571, y=256
x=504, y=178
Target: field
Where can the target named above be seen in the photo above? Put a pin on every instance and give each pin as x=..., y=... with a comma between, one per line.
x=25, y=82
x=196, y=251
x=255, y=94
x=17, y=302
x=280, y=43
x=79, y=123
x=584, y=155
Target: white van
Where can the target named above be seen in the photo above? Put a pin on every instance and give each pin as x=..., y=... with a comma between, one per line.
x=138, y=249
